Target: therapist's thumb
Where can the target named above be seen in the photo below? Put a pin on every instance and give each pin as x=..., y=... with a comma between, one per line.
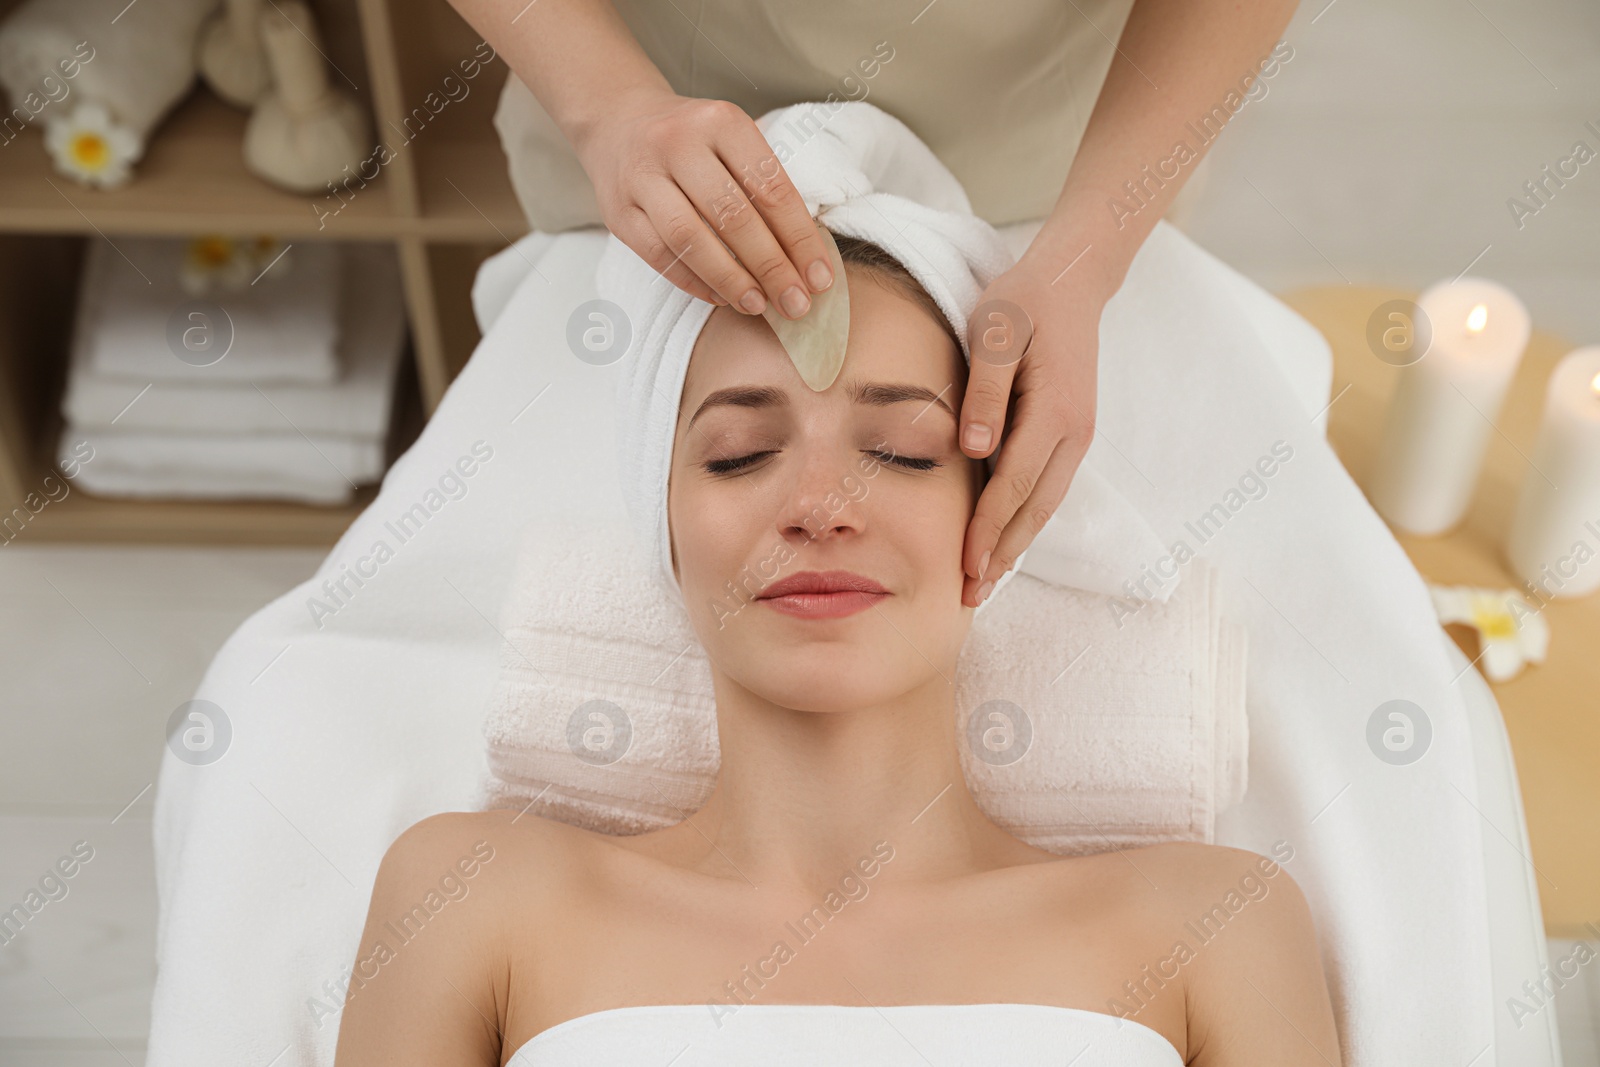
x=998, y=334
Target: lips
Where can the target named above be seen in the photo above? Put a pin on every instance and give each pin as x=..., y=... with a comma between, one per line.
x=823, y=582
x=823, y=594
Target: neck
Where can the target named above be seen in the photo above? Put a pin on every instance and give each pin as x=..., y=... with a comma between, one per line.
x=802, y=796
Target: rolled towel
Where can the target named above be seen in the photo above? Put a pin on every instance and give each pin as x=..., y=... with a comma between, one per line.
x=1092, y=731
x=864, y=174
x=371, y=335
x=1137, y=723
x=140, y=56
x=285, y=326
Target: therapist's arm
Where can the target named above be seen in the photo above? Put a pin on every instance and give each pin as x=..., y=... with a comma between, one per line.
x=1177, y=63
x=675, y=176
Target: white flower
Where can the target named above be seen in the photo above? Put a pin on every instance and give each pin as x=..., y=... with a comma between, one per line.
x=266, y=251
x=91, y=147
x=1511, y=631
x=214, y=262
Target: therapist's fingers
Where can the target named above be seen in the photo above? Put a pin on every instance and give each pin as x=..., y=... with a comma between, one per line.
x=783, y=214
x=738, y=223
x=1018, y=516
x=679, y=244
x=693, y=187
x=1013, y=488
x=743, y=227
x=999, y=334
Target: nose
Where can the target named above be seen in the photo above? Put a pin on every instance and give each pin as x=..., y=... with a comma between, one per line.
x=822, y=502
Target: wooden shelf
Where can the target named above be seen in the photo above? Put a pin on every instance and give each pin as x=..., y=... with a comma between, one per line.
x=81, y=517
x=466, y=192
x=444, y=201
x=191, y=180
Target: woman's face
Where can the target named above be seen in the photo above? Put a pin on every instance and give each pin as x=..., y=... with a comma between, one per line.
x=771, y=481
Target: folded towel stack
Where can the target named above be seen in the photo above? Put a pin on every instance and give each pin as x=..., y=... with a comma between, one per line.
x=1130, y=729
x=297, y=409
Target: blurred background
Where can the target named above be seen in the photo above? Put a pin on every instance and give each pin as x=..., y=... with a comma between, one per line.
x=1387, y=154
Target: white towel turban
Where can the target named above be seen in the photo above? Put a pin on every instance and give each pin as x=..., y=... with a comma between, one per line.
x=863, y=174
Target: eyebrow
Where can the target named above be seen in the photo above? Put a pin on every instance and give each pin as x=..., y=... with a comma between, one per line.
x=873, y=394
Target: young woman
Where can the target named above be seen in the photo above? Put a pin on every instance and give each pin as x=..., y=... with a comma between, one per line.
x=841, y=897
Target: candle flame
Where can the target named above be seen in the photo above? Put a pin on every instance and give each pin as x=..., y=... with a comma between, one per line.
x=1594, y=385
x=1478, y=318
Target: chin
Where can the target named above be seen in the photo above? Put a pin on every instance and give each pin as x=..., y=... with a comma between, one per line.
x=826, y=677
x=821, y=679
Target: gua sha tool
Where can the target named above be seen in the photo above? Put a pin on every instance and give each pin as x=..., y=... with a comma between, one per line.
x=816, y=340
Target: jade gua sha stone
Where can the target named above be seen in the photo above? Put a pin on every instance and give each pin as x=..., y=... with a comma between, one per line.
x=816, y=340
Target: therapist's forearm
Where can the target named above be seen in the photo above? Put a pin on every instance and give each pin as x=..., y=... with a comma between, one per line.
x=1175, y=65
x=577, y=56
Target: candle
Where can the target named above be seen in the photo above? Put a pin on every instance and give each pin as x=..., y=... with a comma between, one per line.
x=1555, y=532
x=1445, y=404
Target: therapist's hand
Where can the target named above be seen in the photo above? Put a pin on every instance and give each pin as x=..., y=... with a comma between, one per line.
x=678, y=176
x=1035, y=333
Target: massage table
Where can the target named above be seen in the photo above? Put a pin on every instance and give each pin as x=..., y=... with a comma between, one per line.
x=356, y=699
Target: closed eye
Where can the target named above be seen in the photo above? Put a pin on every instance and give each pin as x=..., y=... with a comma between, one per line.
x=729, y=466
x=916, y=463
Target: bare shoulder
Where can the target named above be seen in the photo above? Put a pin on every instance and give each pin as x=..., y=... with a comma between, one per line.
x=464, y=851
x=1212, y=890
x=1180, y=876
x=1209, y=869
x=449, y=890
x=1248, y=945
x=486, y=834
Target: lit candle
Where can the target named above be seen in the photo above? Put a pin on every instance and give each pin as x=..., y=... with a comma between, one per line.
x=1555, y=533
x=1445, y=404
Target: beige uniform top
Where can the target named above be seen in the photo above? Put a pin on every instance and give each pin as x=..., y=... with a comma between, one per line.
x=1001, y=90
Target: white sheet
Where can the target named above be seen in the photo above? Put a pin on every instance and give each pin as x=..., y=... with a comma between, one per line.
x=347, y=734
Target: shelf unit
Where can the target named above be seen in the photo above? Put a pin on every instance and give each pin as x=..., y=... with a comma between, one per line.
x=444, y=201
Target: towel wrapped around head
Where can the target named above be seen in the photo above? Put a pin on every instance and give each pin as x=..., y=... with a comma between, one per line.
x=863, y=174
